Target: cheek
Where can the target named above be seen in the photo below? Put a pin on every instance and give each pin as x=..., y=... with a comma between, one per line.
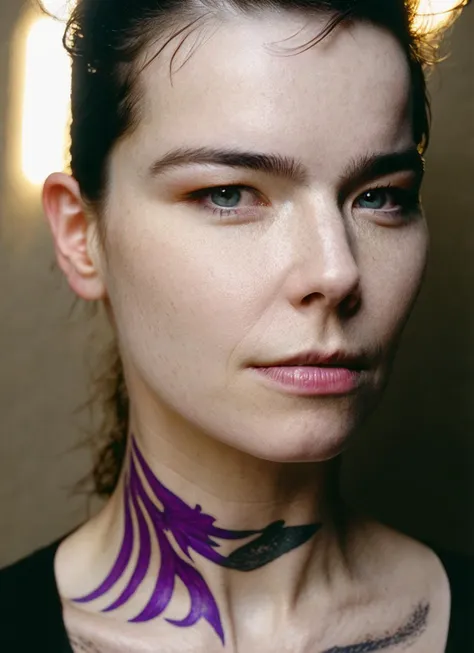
x=182, y=295
x=392, y=277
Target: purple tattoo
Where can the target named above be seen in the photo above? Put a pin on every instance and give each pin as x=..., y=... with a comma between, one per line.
x=193, y=531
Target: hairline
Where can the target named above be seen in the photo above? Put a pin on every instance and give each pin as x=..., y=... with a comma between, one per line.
x=177, y=25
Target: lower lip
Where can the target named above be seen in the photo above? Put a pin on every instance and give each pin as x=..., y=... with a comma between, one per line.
x=315, y=381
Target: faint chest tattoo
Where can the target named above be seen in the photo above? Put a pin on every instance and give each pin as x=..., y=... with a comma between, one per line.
x=193, y=531
x=81, y=645
x=407, y=634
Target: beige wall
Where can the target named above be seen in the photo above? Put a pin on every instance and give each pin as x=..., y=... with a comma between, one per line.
x=43, y=362
x=412, y=466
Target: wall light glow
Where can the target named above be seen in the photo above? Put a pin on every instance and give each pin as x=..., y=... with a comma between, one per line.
x=58, y=8
x=435, y=14
x=46, y=101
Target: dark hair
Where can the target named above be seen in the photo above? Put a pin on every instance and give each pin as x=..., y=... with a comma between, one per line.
x=105, y=39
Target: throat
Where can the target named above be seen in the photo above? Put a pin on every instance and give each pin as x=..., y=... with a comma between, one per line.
x=191, y=544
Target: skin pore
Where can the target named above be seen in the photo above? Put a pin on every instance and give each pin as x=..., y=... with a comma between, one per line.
x=265, y=205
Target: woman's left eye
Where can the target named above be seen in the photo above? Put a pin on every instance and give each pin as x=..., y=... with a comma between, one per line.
x=227, y=200
x=389, y=200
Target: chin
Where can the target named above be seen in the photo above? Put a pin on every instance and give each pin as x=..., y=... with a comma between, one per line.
x=307, y=452
x=295, y=442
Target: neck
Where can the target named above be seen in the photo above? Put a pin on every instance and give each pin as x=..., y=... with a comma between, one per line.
x=221, y=522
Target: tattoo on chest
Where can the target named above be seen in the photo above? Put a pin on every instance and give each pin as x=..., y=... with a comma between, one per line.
x=147, y=501
x=409, y=632
x=81, y=645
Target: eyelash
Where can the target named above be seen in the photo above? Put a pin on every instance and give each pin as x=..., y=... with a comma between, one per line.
x=407, y=200
x=197, y=196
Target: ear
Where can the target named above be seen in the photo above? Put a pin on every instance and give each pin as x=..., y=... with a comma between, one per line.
x=75, y=236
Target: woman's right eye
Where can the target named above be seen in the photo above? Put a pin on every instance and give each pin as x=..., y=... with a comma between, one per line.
x=227, y=200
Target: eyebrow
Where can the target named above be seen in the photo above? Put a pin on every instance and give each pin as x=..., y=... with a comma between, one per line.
x=357, y=172
x=273, y=164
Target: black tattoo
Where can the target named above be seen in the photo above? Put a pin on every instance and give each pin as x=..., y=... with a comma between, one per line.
x=410, y=631
x=275, y=540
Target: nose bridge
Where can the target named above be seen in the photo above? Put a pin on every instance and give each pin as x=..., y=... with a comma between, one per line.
x=326, y=253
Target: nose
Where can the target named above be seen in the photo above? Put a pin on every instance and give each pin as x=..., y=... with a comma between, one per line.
x=324, y=268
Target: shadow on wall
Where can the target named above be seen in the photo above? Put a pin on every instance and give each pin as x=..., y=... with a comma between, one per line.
x=411, y=466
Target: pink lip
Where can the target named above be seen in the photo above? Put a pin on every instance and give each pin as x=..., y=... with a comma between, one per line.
x=312, y=380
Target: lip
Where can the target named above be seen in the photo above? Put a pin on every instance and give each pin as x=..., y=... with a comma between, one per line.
x=337, y=358
x=315, y=373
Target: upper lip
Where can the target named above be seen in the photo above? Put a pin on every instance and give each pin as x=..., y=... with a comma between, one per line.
x=320, y=359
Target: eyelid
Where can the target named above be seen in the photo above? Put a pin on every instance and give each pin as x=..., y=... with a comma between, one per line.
x=403, y=205
x=405, y=180
x=391, y=189
x=202, y=193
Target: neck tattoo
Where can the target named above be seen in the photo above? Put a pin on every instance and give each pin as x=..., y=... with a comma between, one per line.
x=147, y=501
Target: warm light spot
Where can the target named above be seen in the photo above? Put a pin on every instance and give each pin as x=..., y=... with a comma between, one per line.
x=435, y=14
x=46, y=100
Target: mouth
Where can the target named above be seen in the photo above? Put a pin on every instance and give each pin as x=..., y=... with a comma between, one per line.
x=315, y=373
x=338, y=359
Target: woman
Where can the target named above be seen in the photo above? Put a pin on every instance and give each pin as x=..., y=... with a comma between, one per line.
x=244, y=200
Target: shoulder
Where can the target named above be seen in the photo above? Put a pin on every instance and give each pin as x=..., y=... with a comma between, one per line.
x=404, y=577
x=388, y=553
x=30, y=608
x=445, y=577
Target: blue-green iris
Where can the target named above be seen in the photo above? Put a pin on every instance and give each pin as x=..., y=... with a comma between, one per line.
x=373, y=199
x=226, y=198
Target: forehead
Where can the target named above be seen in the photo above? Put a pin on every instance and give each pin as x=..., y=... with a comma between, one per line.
x=241, y=83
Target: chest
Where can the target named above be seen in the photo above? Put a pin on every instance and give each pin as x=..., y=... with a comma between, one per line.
x=418, y=629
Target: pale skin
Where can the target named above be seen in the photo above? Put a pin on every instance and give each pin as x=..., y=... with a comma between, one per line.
x=196, y=298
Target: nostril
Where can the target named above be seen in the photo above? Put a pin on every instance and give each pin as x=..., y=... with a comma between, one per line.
x=350, y=304
x=312, y=297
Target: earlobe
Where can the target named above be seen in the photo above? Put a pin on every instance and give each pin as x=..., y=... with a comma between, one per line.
x=74, y=236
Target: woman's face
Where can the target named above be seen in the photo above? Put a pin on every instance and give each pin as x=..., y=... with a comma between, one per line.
x=298, y=248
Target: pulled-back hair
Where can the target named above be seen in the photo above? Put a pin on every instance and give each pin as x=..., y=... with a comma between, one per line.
x=107, y=40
